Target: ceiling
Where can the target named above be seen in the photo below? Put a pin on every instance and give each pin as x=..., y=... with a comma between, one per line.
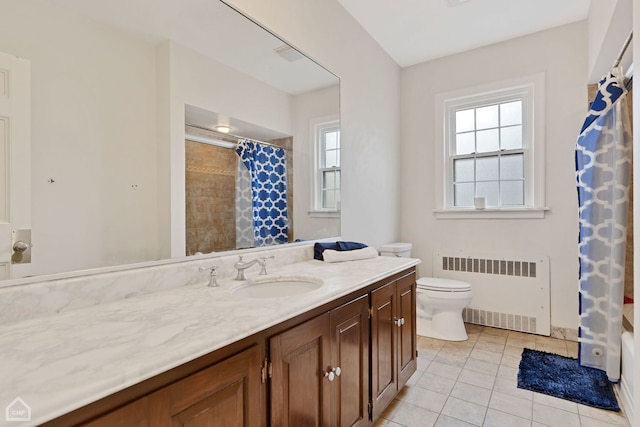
x=415, y=31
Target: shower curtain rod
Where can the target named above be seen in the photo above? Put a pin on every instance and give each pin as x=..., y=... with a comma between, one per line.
x=626, y=44
x=230, y=136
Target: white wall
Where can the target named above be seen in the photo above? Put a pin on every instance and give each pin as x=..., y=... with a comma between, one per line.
x=93, y=132
x=608, y=25
x=306, y=107
x=559, y=53
x=369, y=102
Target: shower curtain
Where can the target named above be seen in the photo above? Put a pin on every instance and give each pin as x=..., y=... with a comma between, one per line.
x=603, y=165
x=261, y=195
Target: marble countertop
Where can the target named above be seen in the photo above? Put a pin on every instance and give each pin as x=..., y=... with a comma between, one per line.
x=58, y=363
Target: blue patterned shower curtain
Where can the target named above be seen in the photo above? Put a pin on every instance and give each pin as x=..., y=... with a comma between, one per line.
x=262, y=168
x=603, y=165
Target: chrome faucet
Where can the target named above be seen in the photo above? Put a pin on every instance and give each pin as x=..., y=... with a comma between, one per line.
x=241, y=266
x=213, y=277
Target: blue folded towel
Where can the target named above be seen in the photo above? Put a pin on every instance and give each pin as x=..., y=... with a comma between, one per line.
x=320, y=247
x=350, y=246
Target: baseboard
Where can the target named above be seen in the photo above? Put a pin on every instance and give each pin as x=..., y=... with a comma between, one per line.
x=626, y=398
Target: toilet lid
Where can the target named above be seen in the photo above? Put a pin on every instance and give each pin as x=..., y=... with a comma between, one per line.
x=440, y=284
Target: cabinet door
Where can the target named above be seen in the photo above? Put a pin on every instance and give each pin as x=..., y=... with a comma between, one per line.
x=223, y=395
x=384, y=339
x=300, y=393
x=350, y=352
x=134, y=415
x=407, y=362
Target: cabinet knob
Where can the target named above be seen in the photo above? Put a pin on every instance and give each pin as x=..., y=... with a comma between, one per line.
x=398, y=322
x=330, y=375
x=333, y=373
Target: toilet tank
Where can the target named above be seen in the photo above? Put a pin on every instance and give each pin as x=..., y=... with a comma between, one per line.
x=400, y=250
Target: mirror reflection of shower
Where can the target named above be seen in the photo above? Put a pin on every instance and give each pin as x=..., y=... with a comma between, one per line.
x=239, y=185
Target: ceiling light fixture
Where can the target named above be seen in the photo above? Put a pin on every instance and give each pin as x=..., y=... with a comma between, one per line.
x=223, y=129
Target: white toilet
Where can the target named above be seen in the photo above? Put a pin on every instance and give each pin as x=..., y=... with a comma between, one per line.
x=439, y=302
x=439, y=308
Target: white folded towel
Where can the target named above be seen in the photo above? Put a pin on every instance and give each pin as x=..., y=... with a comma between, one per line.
x=338, y=256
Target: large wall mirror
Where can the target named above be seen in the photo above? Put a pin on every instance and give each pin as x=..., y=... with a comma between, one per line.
x=127, y=101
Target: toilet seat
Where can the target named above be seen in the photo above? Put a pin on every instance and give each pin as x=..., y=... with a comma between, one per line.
x=442, y=285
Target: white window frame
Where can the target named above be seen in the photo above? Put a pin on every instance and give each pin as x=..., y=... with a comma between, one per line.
x=531, y=89
x=318, y=127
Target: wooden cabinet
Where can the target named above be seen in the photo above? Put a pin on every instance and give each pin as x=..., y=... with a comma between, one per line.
x=223, y=395
x=393, y=340
x=320, y=370
x=133, y=415
x=350, y=352
x=299, y=392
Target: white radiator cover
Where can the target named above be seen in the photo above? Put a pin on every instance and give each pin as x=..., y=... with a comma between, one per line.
x=508, y=292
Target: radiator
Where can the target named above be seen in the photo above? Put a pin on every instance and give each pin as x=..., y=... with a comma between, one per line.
x=508, y=292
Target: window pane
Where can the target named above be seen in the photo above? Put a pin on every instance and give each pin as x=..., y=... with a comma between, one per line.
x=512, y=166
x=465, y=120
x=487, y=117
x=511, y=137
x=488, y=140
x=512, y=193
x=511, y=113
x=329, y=179
x=490, y=190
x=463, y=194
x=331, y=159
x=465, y=143
x=487, y=169
x=463, y=170
x=329, y=199
x=331, y=140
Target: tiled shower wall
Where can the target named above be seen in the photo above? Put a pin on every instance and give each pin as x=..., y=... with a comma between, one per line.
x=210, y=177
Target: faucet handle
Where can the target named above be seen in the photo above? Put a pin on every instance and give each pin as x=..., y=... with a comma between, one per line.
x=213, y=278
x=263, y=264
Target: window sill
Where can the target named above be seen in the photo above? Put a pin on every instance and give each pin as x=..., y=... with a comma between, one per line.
x=491, y=213
x=324, y=214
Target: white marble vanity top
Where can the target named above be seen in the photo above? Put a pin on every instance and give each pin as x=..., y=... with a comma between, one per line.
x=61, y=362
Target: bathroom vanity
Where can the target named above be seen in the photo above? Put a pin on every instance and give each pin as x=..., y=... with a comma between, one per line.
x=334, y=356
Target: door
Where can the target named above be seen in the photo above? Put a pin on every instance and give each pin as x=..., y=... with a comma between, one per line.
x=350, y=353
x=300, y=391
x=15, y=159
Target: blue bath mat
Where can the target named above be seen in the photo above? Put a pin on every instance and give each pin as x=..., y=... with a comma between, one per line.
x=563, y=377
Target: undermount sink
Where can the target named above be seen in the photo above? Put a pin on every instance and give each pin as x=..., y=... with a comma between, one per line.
x=276, y=287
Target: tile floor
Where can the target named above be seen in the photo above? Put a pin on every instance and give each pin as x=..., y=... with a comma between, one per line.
x=473, y=383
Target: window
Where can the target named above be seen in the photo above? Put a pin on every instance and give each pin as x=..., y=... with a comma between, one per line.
x=487, y=154
x=326, y=136
x=491, y=148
